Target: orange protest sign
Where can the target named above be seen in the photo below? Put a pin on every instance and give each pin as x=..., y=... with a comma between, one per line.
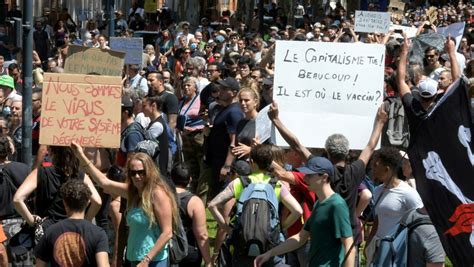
x=81, y=108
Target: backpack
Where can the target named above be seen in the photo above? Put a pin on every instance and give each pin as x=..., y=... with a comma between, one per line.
x=151, y=146
x=393, y=249
x=368, y=213
x=397, y=132
x=178, y=244
x=258, y=223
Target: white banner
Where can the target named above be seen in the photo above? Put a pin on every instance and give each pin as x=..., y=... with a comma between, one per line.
x=326, y=88
x=409, y=31
x=369, y=21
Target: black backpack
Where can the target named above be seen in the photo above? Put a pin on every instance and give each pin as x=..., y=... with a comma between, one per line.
x=258, y=223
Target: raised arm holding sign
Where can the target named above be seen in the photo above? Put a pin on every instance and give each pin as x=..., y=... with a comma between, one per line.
x=335, y=85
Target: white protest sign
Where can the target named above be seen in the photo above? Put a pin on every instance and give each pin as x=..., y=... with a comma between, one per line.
x=133, y=48
x=326, y=88
x=263, y=125
x=370, y=21
x=456, y=30
x=409, y=31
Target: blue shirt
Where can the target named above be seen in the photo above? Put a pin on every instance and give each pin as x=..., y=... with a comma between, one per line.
x=141, y=237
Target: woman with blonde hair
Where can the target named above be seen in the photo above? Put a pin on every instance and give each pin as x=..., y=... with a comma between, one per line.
x=152, y=212
x=249, y=100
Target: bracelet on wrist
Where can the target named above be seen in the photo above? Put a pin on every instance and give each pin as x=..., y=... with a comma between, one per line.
x=87, y=164
x=146, y=258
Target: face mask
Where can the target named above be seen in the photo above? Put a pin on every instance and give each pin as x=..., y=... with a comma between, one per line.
x=6, y=111
x=193, y=46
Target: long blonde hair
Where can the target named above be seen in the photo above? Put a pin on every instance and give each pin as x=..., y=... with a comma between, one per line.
x=151, y=180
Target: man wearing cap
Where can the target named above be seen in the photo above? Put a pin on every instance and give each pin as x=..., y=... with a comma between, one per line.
x=7, y=84
x=418, y=108
x=328, y=227
x=222, y=134
x=347, y=177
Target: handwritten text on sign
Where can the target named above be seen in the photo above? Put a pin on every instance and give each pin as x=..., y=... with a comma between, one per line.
x=81, y=108
x=133, y=48
x=369, y=21
x=85, y=60
x=328, y=88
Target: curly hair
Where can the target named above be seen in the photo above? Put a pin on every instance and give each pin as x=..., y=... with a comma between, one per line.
x=390, y=156
x=337, y=147
x=152, y=180
x=75, y=194
x=5, y=147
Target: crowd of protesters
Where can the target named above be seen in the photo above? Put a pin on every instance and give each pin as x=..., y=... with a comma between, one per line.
x=198, y=92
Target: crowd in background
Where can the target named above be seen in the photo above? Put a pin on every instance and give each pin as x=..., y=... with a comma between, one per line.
x=198, y=91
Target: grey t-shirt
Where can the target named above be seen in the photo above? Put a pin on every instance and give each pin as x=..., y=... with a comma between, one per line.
x=424, y=245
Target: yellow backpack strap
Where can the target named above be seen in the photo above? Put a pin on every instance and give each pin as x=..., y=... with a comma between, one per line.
x=275, y=183
x=239, y=186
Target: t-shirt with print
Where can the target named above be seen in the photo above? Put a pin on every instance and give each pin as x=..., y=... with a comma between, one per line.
x=329, y=222
x=72, y=242
x=306, y=198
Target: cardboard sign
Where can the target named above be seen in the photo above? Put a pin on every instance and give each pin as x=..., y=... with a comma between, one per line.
x=81, y=108
x=369, y=21
x=133, y=48
x=326, y=88
x=397, y=5
x=86, y=60
x=432, y=14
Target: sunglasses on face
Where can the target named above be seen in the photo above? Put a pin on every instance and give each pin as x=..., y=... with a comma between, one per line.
x=133, y=173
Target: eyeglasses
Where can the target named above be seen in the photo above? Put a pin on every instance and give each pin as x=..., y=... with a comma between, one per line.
x=133, y=173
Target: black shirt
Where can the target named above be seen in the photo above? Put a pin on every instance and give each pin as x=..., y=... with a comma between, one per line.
x=346, y=181
x=225, y=123
x=17, y=173
x=48, y=201
x=72, y=242
x=170, y=103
